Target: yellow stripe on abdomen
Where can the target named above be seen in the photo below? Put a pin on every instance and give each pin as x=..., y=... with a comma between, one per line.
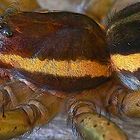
x=129, y=62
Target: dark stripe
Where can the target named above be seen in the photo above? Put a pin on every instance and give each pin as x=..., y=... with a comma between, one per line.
x=68, y=84
x=57, y=35
x=134, y=73
x=125, y=38
x=124, y=13
x=137, y=74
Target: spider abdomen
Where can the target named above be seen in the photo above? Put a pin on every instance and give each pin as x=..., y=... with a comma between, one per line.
x=124, y=42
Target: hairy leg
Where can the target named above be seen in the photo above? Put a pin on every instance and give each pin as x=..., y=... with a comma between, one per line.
x=22, y=109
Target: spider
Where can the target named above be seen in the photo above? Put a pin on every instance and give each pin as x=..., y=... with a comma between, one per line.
x=48, y=60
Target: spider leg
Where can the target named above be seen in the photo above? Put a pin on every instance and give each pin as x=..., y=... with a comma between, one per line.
x=90, y=125
x=122, y=102
x=87, y=121
x=22, y=109
x=131, y=105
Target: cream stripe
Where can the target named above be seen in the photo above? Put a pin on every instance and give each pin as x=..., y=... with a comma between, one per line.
x=129, y=62
x=78, y=68
x=134, y=17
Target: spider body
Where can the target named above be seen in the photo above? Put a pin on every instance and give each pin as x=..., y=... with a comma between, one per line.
x=50, y=60
x=63, y=52
x=123, y=37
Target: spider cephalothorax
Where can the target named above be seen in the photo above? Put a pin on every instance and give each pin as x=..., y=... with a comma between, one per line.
x=43, y=55
x=61, y=54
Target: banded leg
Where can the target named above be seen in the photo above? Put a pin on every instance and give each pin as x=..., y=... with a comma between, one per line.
x=24, y=109
x=13, y=93
x=119, y=101
x=89, y=111
x=91, y=125
x=131, y=104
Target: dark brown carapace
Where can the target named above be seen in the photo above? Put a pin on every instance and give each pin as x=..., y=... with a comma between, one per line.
x=59, y=50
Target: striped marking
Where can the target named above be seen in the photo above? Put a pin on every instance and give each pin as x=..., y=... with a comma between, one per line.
x=129, y=62
x=134, y=17
x=77, y=68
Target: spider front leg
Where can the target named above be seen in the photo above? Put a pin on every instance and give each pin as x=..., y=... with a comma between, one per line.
x=86, y=117
x=91, y=125
x=22, y=109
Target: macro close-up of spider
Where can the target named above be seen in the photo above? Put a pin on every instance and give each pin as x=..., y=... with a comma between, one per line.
x=85, y=63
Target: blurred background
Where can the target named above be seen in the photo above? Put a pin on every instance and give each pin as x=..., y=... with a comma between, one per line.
x=81, y=6
x=96, y=9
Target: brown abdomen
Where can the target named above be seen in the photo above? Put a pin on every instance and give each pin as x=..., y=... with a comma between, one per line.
x=124, y=42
